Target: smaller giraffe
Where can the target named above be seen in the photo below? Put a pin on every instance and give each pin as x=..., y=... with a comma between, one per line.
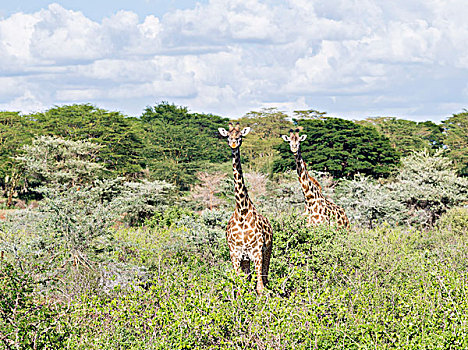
x=249, y=235
x=318, y=208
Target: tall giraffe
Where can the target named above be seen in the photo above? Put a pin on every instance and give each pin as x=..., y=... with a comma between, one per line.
x=249, y=235
x=318, y=208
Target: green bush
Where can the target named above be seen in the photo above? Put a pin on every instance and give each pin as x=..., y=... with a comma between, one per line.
x=384, y=288
x=428, y=185
x=390, y=299
x=368, y=203
x=304, y=255
x=454, y=220
x=206, y=234
x=26, y=322
x=139, y=201
x=167, y=217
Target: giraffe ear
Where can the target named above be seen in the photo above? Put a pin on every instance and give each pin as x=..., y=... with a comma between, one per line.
x=223, y=132
x=286, y=138
x=245, y=131
x=302, y=138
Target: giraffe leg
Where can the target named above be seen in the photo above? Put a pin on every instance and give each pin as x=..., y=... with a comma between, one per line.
x=235, y=263
x=245, y=266
x=258, y=269
x=266, y=263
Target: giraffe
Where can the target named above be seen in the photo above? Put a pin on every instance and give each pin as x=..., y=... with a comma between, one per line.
x=249, y=235
x=318, y=208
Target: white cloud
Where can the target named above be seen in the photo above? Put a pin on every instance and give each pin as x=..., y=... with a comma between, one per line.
x=62, y=35
x=354, y=57
x=26, y=103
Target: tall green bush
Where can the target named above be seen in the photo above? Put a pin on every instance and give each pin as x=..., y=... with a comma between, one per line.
x=304, y=255
x=26, y=322
x=454, y=220
x=54, y=161
x=368, y=203
x=428, y=185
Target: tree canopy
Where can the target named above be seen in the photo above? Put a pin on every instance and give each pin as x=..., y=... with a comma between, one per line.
x=342, y=148
x=170, y=143
x=407, y=136
x=119, y=136
x=15, y=131
x=177, y=142
x=456, y=139
x=260, y=147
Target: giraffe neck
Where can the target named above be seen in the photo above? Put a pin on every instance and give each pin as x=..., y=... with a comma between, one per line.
x=310, y=190
x=241, y=194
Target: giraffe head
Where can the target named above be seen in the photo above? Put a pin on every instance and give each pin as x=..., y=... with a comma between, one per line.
x=234, y=135
x=294, y=140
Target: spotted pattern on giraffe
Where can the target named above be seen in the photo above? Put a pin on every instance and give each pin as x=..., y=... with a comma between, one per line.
x=249, y=234
x=319, y=209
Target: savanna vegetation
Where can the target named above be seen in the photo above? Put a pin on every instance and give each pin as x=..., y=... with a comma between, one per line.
x=112, y=232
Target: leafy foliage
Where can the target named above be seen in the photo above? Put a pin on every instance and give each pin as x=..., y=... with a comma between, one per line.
x=26, y=323
x=394, y=288
x=303, y=253
x=206, y=234
x=341, y=148
x=368, y=203
x=119, y=136
x=424, y=188
x=429, y=186
x=260, y=148
x=177, y=142
x=407, y=136
x=456, y=138
x=454, y=220
x=55, y=161
x=15, y=131
x=139, y=201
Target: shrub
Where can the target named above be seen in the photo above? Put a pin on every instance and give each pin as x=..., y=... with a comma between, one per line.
x=303, y=254
x=454, y=220
x=383, y=288
x=283, y=194
x=51, y=160
x=206, y=234
x=27, y=323
x=428, y=185
x=168, y=217
x=139, y=201
x=368, y=203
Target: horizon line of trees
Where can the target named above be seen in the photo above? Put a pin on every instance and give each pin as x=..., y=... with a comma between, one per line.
x=167, y=142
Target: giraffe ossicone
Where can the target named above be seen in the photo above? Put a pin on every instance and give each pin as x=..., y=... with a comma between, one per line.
x=249, y=234
x=318, y=208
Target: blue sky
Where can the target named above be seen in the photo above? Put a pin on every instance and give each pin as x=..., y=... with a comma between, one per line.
x=350, y=58
x=98, y=9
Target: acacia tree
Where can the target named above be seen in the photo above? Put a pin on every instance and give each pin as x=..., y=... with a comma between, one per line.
x=54, y=161
x=456, y=139
x=15, y=131
x=341, y=148
x=260, y=148
x=179, y=143
x=428, y=185
x=119, y=136
x=407, y=136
